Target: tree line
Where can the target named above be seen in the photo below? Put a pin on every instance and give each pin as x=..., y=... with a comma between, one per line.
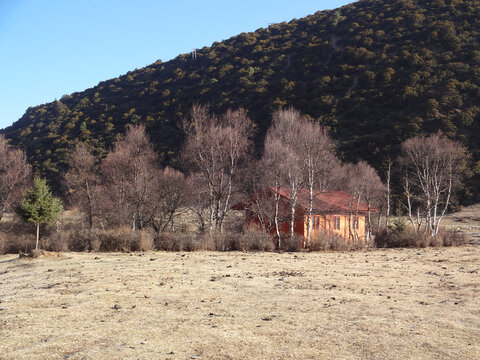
x=219, y=168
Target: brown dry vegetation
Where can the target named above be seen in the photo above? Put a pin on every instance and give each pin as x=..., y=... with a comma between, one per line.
x=380, y=304
x=467, y=220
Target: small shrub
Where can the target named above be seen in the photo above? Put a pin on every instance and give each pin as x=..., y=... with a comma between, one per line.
x=249, y=240
x=391, y=238
x=94, y=241
x=3, y=243
x=452, y=237
x=17, y=243
x=142, y=241
x=291, y=244
x=119, y=239
x=84, y=240
x=166, y=242
x=58, y=241
x=207, y=243
x=179, y=242
x=329, y=241
x=398, y=225
x=223, y=242
x=256, y=240
x=190, y=242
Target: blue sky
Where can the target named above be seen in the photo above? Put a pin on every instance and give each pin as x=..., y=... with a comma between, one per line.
x=49, y=48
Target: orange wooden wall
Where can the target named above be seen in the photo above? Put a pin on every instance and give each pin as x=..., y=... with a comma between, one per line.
x=325, y=225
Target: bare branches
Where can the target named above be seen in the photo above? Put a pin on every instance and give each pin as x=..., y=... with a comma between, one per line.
x=286, y=130
x=15, y=174
x=172, y=191
x=215, y=148
x=304, y=157
x=83, y=182
x=433, y=167
x=129, y=174
x=363, y=184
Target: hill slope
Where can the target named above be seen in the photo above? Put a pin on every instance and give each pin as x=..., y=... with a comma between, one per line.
x=375, y=72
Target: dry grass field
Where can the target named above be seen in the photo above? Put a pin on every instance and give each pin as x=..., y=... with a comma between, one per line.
x=378, y=304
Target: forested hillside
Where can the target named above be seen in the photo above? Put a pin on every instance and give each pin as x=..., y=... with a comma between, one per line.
x=375, y=73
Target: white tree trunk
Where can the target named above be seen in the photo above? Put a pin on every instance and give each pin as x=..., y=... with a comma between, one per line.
x=38, y=235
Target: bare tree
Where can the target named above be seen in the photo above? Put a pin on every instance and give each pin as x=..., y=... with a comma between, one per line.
x=364, y=185
x=388, y=196
x=433, y=171
x=199, y=200
x=373, y=194
x=412, y=202
x=171, y=195
x=82, y=181
x=354, y=185
x=215, y=148
x=286, y=129
x=266, y=178
x=15, y=175
x=319, y=162
x=129, y=174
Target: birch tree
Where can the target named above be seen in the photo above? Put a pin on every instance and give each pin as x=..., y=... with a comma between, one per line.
x=215, y=147
x=286, y=129
x=319, y=163
x=364, y=186
x=388, y=195
x=433, y=171
x=274, y=165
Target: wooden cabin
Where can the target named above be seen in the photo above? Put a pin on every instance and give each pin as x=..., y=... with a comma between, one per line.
x=334, y=212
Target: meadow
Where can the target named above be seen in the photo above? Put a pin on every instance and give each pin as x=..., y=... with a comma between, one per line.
x=371, y=304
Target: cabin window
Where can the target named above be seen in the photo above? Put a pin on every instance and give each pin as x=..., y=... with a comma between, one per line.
x=316, y=222
x=336, y=222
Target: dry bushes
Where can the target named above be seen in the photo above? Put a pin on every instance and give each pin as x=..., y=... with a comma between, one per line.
x=124, y=239
x=452, y=237
x=16, y=238
x=249, y=240
x=333, y=242
x=118, y=239
x=392, y=238
x=179, y=242
x=291, y=244
x=3, y=244
x=255, y=240
x=57, y=241
x=85, y=240
x=20, y=238
x=408, y=238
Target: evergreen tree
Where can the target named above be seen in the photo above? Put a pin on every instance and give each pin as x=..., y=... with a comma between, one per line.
x=39, y=206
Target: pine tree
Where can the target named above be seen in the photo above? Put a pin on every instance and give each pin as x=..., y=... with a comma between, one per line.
x=39, y=206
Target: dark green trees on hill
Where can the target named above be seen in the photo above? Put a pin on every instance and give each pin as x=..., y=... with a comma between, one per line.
x=375, y=73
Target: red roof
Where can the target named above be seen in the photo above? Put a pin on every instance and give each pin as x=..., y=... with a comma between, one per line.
x=326, y=201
